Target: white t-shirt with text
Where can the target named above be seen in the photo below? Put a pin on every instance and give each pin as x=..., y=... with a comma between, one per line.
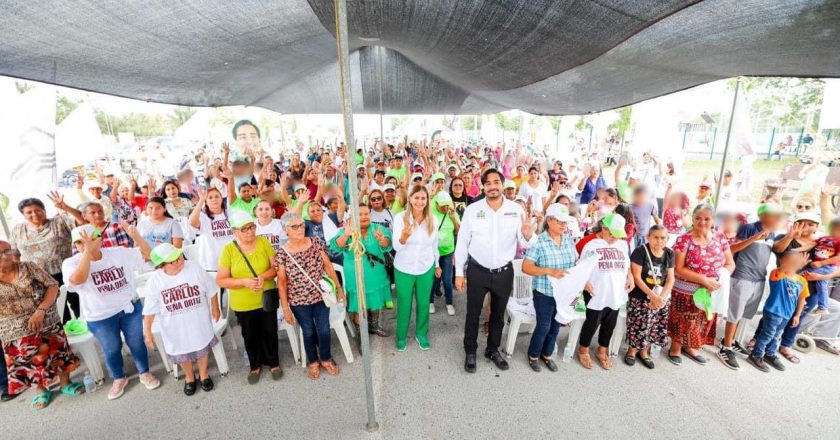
x=610, y=275
x=109, y=288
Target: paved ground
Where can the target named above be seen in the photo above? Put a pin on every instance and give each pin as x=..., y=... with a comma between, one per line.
x=428, y=395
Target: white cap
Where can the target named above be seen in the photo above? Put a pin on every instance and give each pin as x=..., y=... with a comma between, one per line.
x=389, y=186
x=558, y=212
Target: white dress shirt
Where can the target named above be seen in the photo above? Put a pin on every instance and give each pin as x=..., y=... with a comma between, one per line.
x=420, y=251
x=490, y=237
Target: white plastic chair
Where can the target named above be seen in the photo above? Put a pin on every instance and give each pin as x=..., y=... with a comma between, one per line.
x=192, y=252
x=337, y=316
x=291, y=333
x=515, y=319
x=348, y=320
x=218, y=350
x=83, y=345
x=187, y=229
x=616, y=341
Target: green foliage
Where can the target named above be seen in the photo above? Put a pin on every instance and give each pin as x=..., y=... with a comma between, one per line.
x=22, y=86
x=141, y=124
x=63, y=107
x=554, y=121
x=180, y=115
x=470, y=122
x=507, y=123
x=783, y=102
x=581, y=124
x=622, y=125
x=397, y=122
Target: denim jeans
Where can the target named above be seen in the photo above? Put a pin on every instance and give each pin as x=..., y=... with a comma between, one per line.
x=767, y=340
x=4, y=379
x=544, y=338
x=314, y=321
x=107, y=332
x=789, y=333
x=446, y=277
x=821, y=286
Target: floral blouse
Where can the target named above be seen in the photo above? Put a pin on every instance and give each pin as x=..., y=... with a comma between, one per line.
x=178, y=212
x=301, y=291
x=20, y=298
x=705, y=260
x=47, y=246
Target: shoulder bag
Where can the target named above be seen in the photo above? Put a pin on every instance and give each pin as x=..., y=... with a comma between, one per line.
x=325, y=285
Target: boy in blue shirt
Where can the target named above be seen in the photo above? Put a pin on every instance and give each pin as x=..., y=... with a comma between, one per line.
x=788, y=291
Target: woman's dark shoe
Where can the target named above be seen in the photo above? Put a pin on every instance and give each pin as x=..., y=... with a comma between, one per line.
x=207, y=384
x=534, y=364
x=675, y=359
x=629, y=360
x=254, y=377
x=7, y=397
x=190, y=387
x=550, y=364
x=646, y=361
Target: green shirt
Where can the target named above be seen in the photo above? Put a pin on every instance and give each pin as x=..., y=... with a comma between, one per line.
x=376, y=277
x=242, y=205
x=397, y=207
x=399, y=173
x=243, y=299
x=446, y=233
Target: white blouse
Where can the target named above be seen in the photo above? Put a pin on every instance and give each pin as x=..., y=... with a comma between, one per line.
x=420, y=251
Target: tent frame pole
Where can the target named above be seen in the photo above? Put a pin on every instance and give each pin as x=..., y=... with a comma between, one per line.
x=347, y=112
x=726, y=144
x=379, y=68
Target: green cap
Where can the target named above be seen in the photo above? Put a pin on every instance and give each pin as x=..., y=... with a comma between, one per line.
x=89, y=230
x=443, y=198
x=239, y=218
x=164, y=253
x=625, y=192
x=615, y=224
x=703, y=301
x=770, y=208
x=438, y=176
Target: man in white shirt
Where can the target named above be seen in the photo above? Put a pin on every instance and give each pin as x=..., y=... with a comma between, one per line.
x=491, y=230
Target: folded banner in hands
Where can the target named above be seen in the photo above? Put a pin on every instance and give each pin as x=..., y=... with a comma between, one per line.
x=567, y=289
x=720, y=297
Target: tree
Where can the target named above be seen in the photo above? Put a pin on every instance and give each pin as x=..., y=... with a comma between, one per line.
x=22, y=87
x=141, y=124
x=63, y=107
x=181, y=114
x=786, y=102
x=622, y=125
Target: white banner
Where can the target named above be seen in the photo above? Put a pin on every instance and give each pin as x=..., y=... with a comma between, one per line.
x=830, y=112
x=78, y=140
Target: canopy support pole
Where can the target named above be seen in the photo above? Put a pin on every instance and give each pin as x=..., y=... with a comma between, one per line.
x=726, y=143
x=347, y=111
x=379, y=67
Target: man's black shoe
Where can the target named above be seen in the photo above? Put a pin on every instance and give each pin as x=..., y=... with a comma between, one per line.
x=469, y=364
x=497, y=359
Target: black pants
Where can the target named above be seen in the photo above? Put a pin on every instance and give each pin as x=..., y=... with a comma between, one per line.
x=480, y=281
x=605, y=318
x=72, y=301
x=259, y=330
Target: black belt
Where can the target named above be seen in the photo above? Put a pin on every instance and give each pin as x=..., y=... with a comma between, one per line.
x=475, y=264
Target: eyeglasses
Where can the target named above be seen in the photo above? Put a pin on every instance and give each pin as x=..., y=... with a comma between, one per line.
x=805, y=207
x=180, y=257
x=296, y=227
x=457, y=185
x=375, y=199
x=248, y=228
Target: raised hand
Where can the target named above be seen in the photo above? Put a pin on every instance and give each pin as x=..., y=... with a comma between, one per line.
x=57, y=199
x=89, y=243
x=527, y=227
x=130, y=229
x=80, y=181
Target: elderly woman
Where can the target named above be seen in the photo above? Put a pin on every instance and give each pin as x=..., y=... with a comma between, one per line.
x=183, y=297
x=301, y=263
x=699, y=257
x=377, y=242
x=415, y=265
x=245, y=269
x=33, y=339
x=104, y=279
x=652, y=266
x=551, y=256
x=46, y=241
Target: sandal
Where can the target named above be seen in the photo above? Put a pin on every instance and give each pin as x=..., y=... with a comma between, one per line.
x=72, y=389
x=629, y=360
x=534, y=364
x=42, y=400
x=331, y=367
x=277, y=373
x=584, y=359
x=675, y=359
x=550, y=364
x=604, y=360
x=789, y=356
x=699, y=358
x=646, y=361
x=254, y=377
x=314, y=370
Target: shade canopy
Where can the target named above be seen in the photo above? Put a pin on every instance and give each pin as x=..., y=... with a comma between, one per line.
x=436, y=56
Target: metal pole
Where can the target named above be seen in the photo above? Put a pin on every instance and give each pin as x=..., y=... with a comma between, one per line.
x=589, y=150
x=379, y=50
x=799, y=142
x=347, y=111
x=726, y=144
x=770, y=146
x=685, y=134
x=714, y=139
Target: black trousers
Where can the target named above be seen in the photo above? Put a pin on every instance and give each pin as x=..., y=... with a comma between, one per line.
x=480, y=281
x=259, y=330
x=71, y=302
x=606, y=318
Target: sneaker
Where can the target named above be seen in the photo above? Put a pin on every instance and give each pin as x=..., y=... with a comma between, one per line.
x=423, y=343
x=825, y=345
x=774, y=362
x=431, y=308
x=758, y=363
x=117, y=388
x=727, y=355
x=738, y=348
x=149, y=381
x=450, y=309
x=400, y=346
x=819, y=312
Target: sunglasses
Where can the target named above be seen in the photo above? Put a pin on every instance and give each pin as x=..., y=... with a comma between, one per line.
x=375, y=199
x=296, y=227
x=457, y=184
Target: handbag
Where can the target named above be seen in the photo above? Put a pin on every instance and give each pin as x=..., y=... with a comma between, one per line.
x=325, y=285
x=270, y=297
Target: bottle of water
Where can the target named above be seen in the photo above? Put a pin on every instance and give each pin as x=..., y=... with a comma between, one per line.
x=90, y=383
x=247, y=362
x=655, y=350
x=567, y=354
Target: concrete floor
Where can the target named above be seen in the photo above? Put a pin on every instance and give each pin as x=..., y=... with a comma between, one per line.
x=428, y=395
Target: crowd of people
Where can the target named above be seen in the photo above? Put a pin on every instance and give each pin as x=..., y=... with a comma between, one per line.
x=435, y=217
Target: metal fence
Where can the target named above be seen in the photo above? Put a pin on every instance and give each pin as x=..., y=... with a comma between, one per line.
x=703, y=139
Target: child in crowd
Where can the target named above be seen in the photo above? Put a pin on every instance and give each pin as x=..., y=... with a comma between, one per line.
x=826, y=256
x=788, y=291
x=675, y=214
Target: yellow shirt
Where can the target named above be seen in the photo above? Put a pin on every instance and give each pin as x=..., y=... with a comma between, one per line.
x=243, y=299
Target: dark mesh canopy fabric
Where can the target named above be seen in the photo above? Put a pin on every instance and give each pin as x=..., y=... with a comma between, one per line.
x=433, y=56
